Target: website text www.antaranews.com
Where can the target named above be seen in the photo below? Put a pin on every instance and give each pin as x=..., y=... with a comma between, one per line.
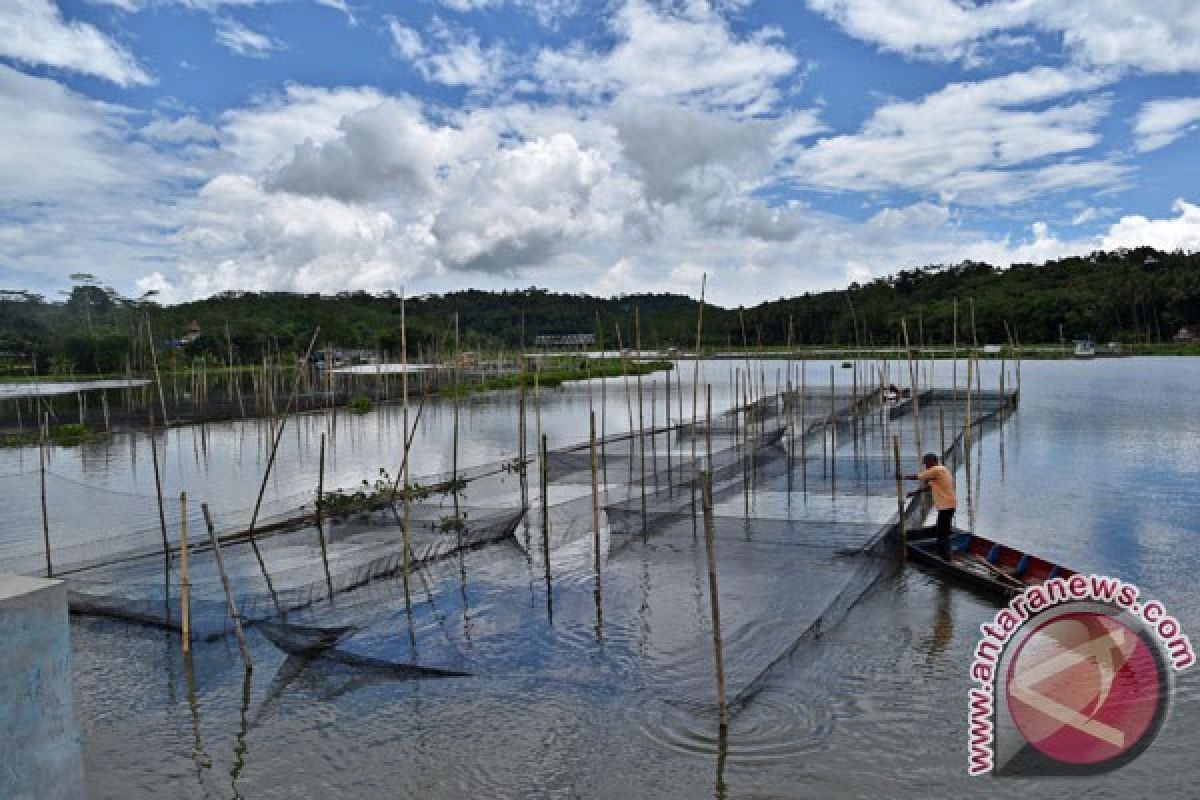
x=1032, y=601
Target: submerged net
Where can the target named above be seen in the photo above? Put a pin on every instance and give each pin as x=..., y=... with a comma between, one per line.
x=504, y=578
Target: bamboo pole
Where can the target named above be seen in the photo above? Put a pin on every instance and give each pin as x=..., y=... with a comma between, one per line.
x=454, y=462
x=595, y=496
x=546, y=531
x=899, y=498
x=710, y=552
x=967, y=420
x=185, y=589
x=320, y=523
x=915, y=388
x=404, y=526
x=45, y=427
x=696, y=393
x=162, y=517
x=233, y=612
x=270, y=463
x=942, y=428
x=637, y=338
x=954, y=364
x=157, y=376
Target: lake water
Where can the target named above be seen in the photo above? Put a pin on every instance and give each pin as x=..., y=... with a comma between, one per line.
x=1099, y=469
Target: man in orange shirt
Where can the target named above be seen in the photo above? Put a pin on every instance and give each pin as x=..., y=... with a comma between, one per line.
x=939, y=482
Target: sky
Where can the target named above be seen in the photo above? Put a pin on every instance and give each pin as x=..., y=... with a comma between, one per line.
x=188, y=147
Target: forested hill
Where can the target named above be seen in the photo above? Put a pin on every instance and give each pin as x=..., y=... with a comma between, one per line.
x=1132, y=296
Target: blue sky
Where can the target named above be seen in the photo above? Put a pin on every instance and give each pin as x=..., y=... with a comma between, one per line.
x=194, y=146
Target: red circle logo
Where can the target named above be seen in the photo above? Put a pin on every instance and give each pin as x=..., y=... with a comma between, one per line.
x=1084, y=688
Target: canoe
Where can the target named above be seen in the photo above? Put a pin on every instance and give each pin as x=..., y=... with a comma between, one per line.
x=983, y=564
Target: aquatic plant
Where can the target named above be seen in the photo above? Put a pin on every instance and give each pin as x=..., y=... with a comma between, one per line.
x=360, y=403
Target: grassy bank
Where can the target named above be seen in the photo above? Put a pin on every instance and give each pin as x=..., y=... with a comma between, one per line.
x=552, y=376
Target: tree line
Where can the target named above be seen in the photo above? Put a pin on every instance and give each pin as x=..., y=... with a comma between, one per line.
x=1132, y=296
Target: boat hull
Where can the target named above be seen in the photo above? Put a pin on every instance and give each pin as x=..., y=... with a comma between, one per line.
x=987, y=566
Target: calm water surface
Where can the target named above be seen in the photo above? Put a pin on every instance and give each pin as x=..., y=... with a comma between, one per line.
x=1099, y=470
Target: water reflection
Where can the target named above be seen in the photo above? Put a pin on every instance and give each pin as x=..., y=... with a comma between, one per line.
x=609, y=701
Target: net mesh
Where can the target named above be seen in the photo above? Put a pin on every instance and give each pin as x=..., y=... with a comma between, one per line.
x=804, y=502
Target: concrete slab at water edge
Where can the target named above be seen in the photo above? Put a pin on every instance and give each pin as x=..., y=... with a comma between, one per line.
x=43, y=757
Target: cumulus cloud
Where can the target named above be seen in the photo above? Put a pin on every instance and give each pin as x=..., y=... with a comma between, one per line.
x=236, y=235
x=1151, y=35
x=1181, y=232
x=1161, y=122
x=386, y=148
x=34, y=32
x=686, y=52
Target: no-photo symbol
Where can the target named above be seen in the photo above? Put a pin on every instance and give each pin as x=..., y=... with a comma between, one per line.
x=1084, y=688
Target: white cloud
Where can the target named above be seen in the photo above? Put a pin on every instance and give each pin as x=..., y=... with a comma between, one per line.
x=685, y=52
x=263, y=137
x=406, y=40
x=180, y=130
x=94, y=197
x=1160, y=122
x=1150, y=35
x=457, y=58
x=386, y=148
x=239, y=39
x=238, y=236
x=74, y=142
x=34, y=32
x=547, y=12
x=983, y=142
x=1181, y=232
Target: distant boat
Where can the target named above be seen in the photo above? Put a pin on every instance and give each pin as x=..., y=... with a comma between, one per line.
x=1085, y=349
x=983, y=564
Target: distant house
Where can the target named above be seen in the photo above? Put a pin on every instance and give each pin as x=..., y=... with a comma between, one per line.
x=565, y=339
x=1188, y=333
x=193, y=333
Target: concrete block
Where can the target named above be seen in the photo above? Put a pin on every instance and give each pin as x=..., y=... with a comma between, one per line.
x=40, y=753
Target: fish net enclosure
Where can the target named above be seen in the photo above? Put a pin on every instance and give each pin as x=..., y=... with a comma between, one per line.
x=516, y=564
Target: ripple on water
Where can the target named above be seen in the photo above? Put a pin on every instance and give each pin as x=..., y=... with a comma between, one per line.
x=775, y=727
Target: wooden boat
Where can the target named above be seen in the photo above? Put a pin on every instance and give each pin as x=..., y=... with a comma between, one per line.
x=979, y=562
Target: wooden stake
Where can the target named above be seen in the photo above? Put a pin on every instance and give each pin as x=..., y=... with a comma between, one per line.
x=637, y=338
x=595, y=496
x=320, y=525
x=42, y=472
x=220, y=559
x=185, y=589
x=915, y=389
x=695, y=392
x=710, y=551
x=404, y=388
x=546, y=531
x=900, y=497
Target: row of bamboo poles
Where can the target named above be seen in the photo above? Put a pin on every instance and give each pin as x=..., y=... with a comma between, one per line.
x=749, y=393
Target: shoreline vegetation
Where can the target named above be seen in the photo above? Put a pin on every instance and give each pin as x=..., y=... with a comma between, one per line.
x=1140, y=298
x=358, y=398
x=657, y=361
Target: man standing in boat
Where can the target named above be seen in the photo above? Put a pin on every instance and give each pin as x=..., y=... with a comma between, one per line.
x=938, y=481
